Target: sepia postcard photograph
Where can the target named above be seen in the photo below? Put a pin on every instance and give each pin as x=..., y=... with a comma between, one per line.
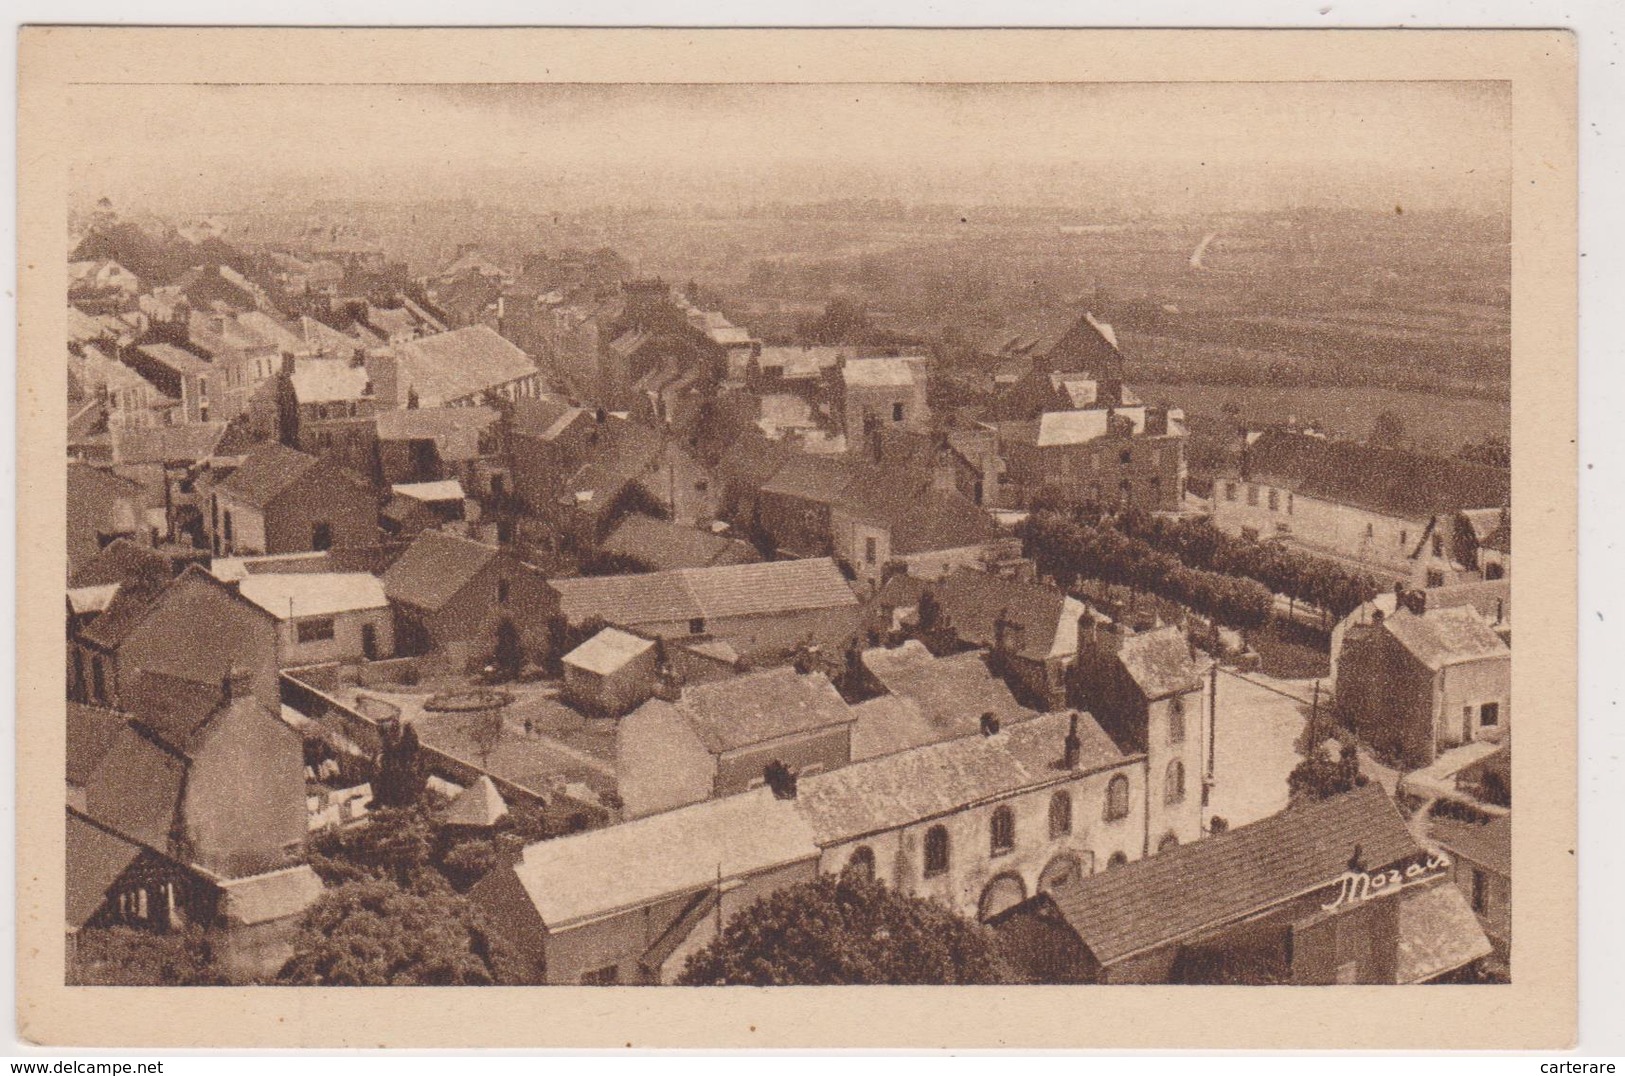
x=993, y=525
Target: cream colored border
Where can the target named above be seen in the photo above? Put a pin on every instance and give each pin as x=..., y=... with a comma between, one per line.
x=1538, y=1010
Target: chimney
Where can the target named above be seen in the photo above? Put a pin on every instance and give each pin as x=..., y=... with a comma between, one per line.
x=1376, y=619
x=1357, y=860
x=781, y=779
x=990, y=724
x=237, y=683
x=1073, y=745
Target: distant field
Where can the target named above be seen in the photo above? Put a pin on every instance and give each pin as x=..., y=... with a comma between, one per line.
x=1435, y=423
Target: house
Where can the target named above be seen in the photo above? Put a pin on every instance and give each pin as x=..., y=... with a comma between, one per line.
x=433, y=444
x=460, y=368
x=324, y=616
x=1464, y=547
x=795, y=508
x=192, y=629
x=980, y=822
x=626, y=467
x=1422, y=680
x=763, y=611
x=177, y=374
x=1150, y=694
x=1100, y=456
x=720, y=738
x=1333, y=892
x=1492, y=599
x=879, y=393
x=102, y=507
x=929, y=533
x=452, y=595
x=1365, y=505
x=659, y=545
x=611, y=673
x=281, y=500
x=629, y=903
x=927, y=699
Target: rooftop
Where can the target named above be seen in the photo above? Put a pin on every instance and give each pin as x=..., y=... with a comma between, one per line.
x=1409, y=485
x=449, y=489
x=949, y=695
x=1191, y=888
x=264, y=898
x=882, y=373
x=329, y=380
x=716, y=592
x=1487, y=843
x=479, y=805
x=435, y=568
x=1449, y=636
x=306, y=594
x=745, y=710
x=458, y=364
x=266, y=471
x=662, y=545
x=608, y=651
x=1160, y=662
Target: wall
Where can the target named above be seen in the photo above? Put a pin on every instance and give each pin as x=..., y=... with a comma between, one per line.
x=1496, y=918
x=659, y=762
x=247, y=526
x=245, y=793
x=345, y=644
x=1474, y=683
x=1184, y=819
x=197, y=631
x=1387, y=697
x=616, y=693
x=812, y=752
x=1338, y=529
x=876, y=400
x=471, y=617
x=320, y=495
x=767, y=638
x=1094, y=470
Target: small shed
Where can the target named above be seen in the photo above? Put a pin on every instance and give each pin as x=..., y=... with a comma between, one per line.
x=612, y=673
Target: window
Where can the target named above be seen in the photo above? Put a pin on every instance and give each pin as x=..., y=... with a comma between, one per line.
x=936, y=851
x=314, y=630
x=869, y=551
x=321, y=536
x=1370, y=530
x=1117, y=798
x=98, y=679
x=897, y=412
x=1404, y=537
x=1489, y=715
x=1481, y=892
x=1126, y=457
x=608, y=975
x=226, y=517
x=862, y=862
x=1060, y=814
x=1176, y=720
x=1275, y=500
x=1003, y=831
x=502, y=592
x=697, y=626
x=1435, y=578
x=1173, y=789
x=1117, y=859
x=1493, y=570
x=1252, y=496
x=1229, y=491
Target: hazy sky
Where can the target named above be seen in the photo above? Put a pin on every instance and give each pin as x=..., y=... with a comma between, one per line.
x=1142, y=145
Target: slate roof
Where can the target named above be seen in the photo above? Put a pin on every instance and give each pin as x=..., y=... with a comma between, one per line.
x=1160, y=663
x=663, y=545
x=176, y=359
x=608, y=651
x=167, y=444
x=95, y=860
x=479, y=805
x=434, y=569
x=463, y=362
x=813, y=478
x=717, y=592
x=266, y=471
x=300, y=594
x=1192, y=888
x=635, y=863
x=137, y=789
x=1391, y=481
x=130, y=605
x=745, y=710
x=1487, y=843
x=545, y=418
x=932, y=520
x=1441, y=637
x=912, y=786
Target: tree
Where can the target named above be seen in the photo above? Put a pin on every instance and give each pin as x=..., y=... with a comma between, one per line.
x=123, y=956
x=287, y=410
x=847, y=929
x=1388, y=429
x=373, y=933
x=393, y=844
x=1319, y=776
x=401, y=775
x=510, y=650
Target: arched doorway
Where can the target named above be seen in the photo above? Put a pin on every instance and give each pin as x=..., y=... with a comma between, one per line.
x=1064, y=869
x=1002, y=893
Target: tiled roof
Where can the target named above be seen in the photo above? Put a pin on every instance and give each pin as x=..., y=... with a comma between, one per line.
x=461, y=363
x=121, y=561
x=638, y=862
x=745, y=710
x=717, y=592
x=1160, y=662
x=931, y=520
x=301, y=594
x=607, y=651
x=974, y=600
x=95, y=859
x=266, y=471
x=1487, y=843
x=545, y=418
x=912, y=786
x=265, y=898
x=434, y=569
x=167, y=444
x=136, y=791
x=1449, y=636
x=663, y=545
x=814, y=478
x=1409, y=485
x=1191, y=888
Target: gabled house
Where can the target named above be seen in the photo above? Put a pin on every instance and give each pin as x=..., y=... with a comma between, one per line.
x=1464, y=547
x=929, y=533
x=878, y=393
x=281, y=500
x=720, y=738
x=626, y=468
x=324, y=616
x=452, y=595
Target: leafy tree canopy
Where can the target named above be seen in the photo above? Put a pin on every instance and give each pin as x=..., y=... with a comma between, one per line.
x=847, y=929
x=123, y=956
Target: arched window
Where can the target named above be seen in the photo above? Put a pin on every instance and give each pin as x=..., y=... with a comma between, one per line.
x=1117, y=798
x=1117, y=859
x=1176, y=719
x=862, y=862
x=1168, y=841
x=1003, y=831
x=936, y=851
x=1174, y=789
x=1060, y=814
